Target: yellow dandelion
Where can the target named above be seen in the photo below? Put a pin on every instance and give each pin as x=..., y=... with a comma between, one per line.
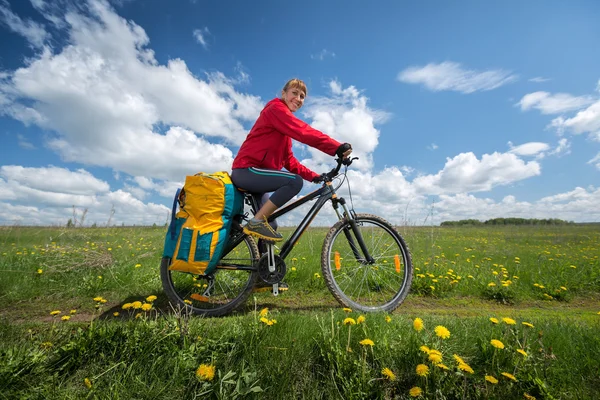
x=72, y=312
x=361, y=319
x=137, y=305
x=66, y=317
x=497, y=344
x=494, y=320
x=435, y=357
x=205, y=372
x=150, y=299
x=55, y=312
x=415, y=391
x=263, y=312
x=466, y=367
x=40, y=271
x=316, y=275
x=126, y=306
x=527, y=324
x=388, y=319
x=458, y=359
x=146, y=307
x=422, y=370
x=442, y=366
x=349, y=321
x=491, y=379
x=491, y=284
x=418, y=324
x=508, y=321
x=186, y=301
x=367, y=342
x=424, y=349
x=509, y=376
x=572, y=266
x=388, y=374
x=98, y=298
x=138, y=315
x=563, y=288
x=442, y=332
x=264, y=320
x=138, y=265
x=116, y=314
x=523, y=352
x=346, y=309
x=87, y=383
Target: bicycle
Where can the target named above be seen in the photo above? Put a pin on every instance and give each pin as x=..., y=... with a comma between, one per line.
x=365, y=262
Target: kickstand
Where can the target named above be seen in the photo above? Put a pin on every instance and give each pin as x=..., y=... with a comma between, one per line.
x=271, y=257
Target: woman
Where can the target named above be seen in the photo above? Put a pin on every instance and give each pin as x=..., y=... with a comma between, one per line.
x=268, y=148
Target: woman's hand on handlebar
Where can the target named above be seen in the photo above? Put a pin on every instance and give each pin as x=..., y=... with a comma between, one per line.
x=344, y=150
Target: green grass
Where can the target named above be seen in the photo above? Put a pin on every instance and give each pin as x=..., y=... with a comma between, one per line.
x=305, y=353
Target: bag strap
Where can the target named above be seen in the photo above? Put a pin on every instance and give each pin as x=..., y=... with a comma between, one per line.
x=174, y=209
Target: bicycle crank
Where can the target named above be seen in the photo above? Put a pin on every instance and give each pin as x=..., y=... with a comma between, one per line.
x=271, y=269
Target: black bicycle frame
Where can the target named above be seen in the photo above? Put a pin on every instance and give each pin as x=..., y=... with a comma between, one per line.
x=323, y=194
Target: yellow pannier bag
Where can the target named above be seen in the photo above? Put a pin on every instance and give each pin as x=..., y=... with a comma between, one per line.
x=200, y=229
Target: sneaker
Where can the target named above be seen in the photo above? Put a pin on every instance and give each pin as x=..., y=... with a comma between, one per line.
x=262, y=230
x=265, y=287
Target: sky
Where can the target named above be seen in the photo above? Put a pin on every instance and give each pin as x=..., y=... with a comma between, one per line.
x=456, y=110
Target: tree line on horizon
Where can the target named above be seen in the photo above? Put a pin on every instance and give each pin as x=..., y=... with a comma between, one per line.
x=508, y=221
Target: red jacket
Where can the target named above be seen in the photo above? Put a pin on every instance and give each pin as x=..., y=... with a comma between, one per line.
x=269, y=143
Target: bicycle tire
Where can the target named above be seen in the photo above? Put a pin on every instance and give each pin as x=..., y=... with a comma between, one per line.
x=369, y=287
x=231, y=287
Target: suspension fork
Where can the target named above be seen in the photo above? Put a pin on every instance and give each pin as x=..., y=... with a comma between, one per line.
x=354, y=227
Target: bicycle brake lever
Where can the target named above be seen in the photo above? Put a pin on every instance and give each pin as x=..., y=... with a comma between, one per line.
x=348, y=161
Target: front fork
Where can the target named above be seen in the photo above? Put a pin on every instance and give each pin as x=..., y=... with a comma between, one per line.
x=367, y=259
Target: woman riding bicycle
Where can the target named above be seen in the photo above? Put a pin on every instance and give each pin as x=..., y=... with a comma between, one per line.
x=268, y=148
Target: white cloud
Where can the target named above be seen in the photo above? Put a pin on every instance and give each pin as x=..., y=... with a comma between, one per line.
x=539, y=79
x=35, y=33
x=432, y=147
x=548, y=103
x=200, y=36
x=322, y=55
x=595, y=161
x=562, y=148
x=24, y=143
x=54, y=179
x=528, y=149
x=452, y=76
x=566, y=206
x=465, y=173
x=585, y=121
x=346, y=117
x=104, y=96
x=50, y=195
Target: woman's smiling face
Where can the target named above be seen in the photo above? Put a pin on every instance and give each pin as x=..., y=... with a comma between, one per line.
x=293, y=98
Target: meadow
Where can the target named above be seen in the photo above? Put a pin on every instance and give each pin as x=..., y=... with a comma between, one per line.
x=497, y=312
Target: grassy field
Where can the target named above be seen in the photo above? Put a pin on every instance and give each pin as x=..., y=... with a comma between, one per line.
x=494, y=312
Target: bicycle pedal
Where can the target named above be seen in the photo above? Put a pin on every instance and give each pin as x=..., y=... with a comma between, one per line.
x=265, y=287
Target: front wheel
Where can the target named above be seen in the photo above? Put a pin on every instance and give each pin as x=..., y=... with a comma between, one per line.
x=380, y=284
x=219, y=292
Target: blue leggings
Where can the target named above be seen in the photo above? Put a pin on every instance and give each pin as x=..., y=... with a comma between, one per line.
x=259, y=181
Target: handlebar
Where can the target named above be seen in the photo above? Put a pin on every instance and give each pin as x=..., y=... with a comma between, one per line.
x=340, y=161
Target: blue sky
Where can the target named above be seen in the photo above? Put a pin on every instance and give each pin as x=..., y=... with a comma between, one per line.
x=456, y=109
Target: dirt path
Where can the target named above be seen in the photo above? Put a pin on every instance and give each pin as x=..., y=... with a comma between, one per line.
x=586, y=309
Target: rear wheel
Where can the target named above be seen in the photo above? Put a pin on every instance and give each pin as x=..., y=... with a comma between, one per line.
x=219, y=292
x=379, y=285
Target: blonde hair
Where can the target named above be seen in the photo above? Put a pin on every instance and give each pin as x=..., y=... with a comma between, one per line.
x=295, y=83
